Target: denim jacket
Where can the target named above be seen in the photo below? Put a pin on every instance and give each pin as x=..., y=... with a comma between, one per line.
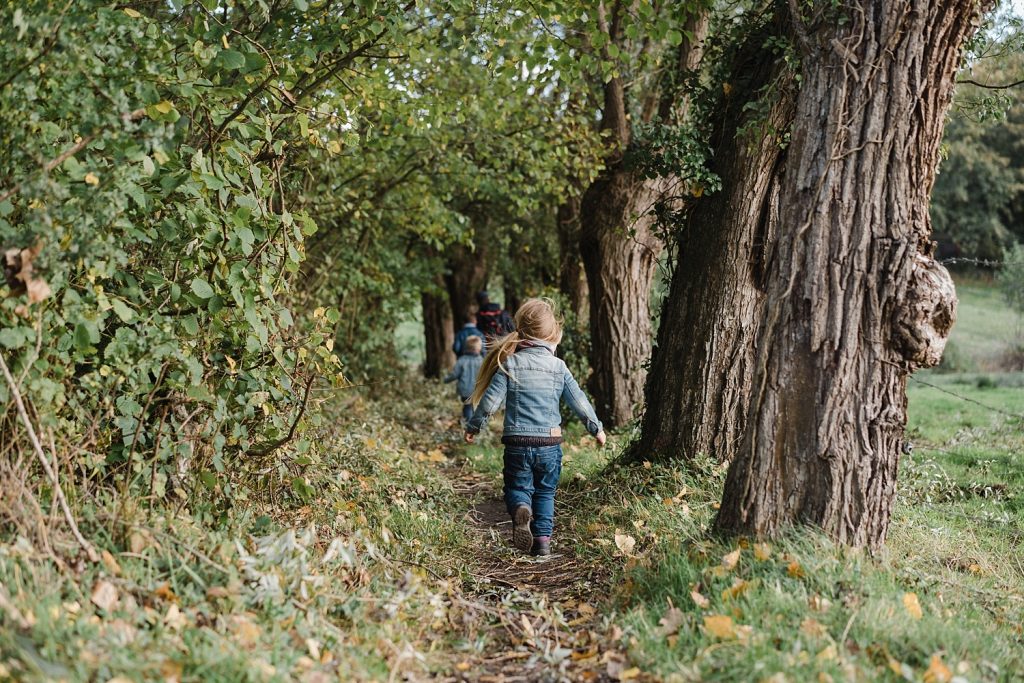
x=466, y=369
x=534, y=384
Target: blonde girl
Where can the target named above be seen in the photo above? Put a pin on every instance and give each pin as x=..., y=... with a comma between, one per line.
x=522, y=371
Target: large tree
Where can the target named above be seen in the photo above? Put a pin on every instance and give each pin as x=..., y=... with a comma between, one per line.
x=702, y=364
x=855, y=300
x=618, y=241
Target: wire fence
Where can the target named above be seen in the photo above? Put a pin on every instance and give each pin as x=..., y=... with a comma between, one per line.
x=980, y=262
x=992, y=409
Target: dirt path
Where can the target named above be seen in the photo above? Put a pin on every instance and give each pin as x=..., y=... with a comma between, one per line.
x=539, y=618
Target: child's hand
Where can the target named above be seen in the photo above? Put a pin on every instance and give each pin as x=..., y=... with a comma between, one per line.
x=469, y=437
x=601, y=437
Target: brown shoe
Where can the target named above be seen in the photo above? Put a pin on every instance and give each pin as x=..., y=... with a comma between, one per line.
x=522, y=537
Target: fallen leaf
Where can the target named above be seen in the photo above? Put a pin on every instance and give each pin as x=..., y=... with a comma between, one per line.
x=136, y=542
x=246, y=632
x=629, y=674
x=699, y=600
x=794, y=569
x=625, y=543
x=463, y=666
x=812, y=627
x=165, y=593
x=171, y=671
x=669, y=624
x=436, y=455
x=730, y=560
x=92, y=179
x=104, y=596
x=738, y=588
x=586, y=608
x=720, y=626
x=110, y=563
x=937, y=672
x=912, y=605
x=175, y=619
x=762, y=551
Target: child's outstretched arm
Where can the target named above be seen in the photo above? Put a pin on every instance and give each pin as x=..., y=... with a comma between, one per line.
x=455, y=373
x=489, y=402
x=577, y=400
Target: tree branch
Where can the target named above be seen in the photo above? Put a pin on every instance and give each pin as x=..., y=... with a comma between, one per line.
x=988, y=86
x=72, y=151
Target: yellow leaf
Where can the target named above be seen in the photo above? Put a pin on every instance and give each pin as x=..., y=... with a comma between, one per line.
x=334, y=147
x=110, y=563
x=246, y=632
x=699, y=600
x=586, y=608
x=729, y=561
x=827, y=654
x=629, y=674
x=738, y=588
x=794, y=569
x=92, y=179
x=224, y=41
x=762, y=551
x=913, y=606
x=937, y=672
x=463, y=666
x=164, y=107
x=625, y=543
x=726, y=88
x=132, y=13
x=720, y=626
x=436, y=456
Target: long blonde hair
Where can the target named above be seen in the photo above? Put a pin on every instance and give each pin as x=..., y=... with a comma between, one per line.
x=535, y=321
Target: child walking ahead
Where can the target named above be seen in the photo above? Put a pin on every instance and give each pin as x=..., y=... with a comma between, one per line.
x=522, y=370
x=466, y=369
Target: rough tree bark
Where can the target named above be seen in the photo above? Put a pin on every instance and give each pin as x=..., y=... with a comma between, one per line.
x=619, y=246
x=571, y=278
x=703, y=361
x=437, y=333
x=855, y=301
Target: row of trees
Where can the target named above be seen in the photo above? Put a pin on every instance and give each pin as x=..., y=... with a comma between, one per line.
x=214, y=209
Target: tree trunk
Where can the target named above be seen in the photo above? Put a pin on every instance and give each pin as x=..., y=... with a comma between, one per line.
x=620, y=270
x=571, y=278
x=437, y=334
x=855, y=301
x=703, y=362
x=465, y=275
x=618, y=242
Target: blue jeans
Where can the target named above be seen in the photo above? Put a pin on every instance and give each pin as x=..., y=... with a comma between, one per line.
x=467, y=410
x=531, y=476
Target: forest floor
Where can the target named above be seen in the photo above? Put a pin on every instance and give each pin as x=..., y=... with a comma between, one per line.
x=399, y=567
x=392, y=561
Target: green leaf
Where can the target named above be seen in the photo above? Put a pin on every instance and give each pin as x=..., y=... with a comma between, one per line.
x=201, y=288
x=231, y=59
x=83, y=338
x=123, y=311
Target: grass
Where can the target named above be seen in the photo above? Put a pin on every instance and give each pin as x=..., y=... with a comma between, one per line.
x=985, y=330
x=282, y=589
x=370, y=577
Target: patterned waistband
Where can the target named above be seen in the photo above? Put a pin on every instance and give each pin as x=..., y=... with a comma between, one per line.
x=513, y=440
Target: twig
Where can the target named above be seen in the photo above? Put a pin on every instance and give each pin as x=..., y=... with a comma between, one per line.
x=86, y=546
x=72, y=151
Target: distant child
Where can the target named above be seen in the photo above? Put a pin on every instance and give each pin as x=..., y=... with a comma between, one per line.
x=466, y=369
x=469, y=329
x=522, y=370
